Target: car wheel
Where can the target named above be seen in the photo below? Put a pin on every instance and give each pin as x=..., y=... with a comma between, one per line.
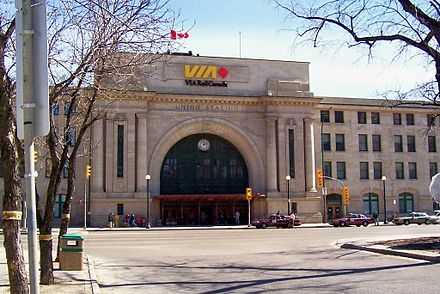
x=358, y=226
x=263, y=225
x=343, y=224
x=427, y=222
x=290, y=225
x=406, y=222
x=365, y=223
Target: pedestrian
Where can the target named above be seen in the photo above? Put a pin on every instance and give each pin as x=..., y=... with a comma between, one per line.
x=278, y=212
x=293, y=216
x=131, y=220
x=237, y=217
x=111, y=220
x=376, y=218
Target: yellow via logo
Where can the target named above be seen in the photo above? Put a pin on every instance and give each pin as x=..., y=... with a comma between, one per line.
x=200, y=71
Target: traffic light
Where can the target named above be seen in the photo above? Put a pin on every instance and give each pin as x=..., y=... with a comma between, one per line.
x=35, y=156
x=346, y=195
x=88, y=170
x=248, y=193
x=319, y=178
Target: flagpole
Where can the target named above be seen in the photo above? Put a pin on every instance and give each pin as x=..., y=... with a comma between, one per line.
x=239, y=44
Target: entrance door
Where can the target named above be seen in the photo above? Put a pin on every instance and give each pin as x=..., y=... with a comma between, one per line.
x=334, y=206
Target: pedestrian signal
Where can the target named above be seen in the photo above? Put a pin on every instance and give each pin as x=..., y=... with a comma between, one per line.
x=346, y=195
x=319, y=178
x=88, y=170
x=248, y=193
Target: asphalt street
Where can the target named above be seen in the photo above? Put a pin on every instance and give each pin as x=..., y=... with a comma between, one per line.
x=304, y=260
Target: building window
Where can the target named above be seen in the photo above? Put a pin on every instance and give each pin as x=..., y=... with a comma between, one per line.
x=375, y=118
x=412, y=170
x=409, y=119
x=328, y=169
x=55, y=108
x=339, y=117
x=430, y=120
x=1, y=171
x=325, y=116
x=377, y=145
x=363, y=170
x=371, y=204
x=433, y=170
x=47, y=167
x=291, y=153
x=411, y=143
x=399, y=171
x=326, y=142
x=432, y=145
x=362, y=117
x=377, y=170
x=340, y=142
x=67, y=107
x=340, y=170
x=406, y=203
x=70, y=136
x=397, y=118
x=398, y=145
x=120, y=152
x=363, y=143
x=59, y=202
x=66, y=171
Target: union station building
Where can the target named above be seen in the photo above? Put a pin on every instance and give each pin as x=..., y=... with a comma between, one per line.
x=191, y=133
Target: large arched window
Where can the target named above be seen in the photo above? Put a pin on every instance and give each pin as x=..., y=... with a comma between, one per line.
x=406, y=202
x=370, y=201
x=203, y=164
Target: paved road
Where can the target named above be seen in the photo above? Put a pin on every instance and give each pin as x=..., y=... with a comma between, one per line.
x=304, y=260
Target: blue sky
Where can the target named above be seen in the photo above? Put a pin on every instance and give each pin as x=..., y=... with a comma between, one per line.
x=264, y=34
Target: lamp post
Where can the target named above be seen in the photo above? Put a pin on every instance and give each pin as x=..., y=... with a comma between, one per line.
x=148, y=178
x=384, y=178
x=288, y=193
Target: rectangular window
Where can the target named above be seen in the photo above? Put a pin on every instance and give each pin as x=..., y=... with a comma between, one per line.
x=377, y=170
x=120, y=152
x=433, y=169
x=412, y=170
x=59, y=202
x=325, y=116
x=375, y=118
x=70, y=136
x=411, y=143
x=363, y=143
x=362, y=117
x=377, y=144
x=397, y=118
x=291, y=153
x=67, y=107
x=47, y=167
x=327, y=169
x=363, y=171
x=410, y=119
x=398, y=145
x=326, y=142
x=1, y=171
x=339, y=117
x=340, y=170
x=55, y=108
x=340, y=142
x=432, y=145
x=399, y=170
x=430, y=120
x=66, y=171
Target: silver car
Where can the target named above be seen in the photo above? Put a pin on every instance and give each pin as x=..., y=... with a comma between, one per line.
x=414, y=218
x=435, y=219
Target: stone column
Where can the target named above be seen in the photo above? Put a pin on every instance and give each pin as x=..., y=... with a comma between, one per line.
x=99, y=150
x=109, y=157
x=141, y=153
x=309, y=149
x=130, y=170
x=283, y=170
x=271, y=160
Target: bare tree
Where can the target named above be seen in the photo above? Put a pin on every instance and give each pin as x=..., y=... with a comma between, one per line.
x=412, y=28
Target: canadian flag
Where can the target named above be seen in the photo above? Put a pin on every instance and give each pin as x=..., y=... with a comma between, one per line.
x=175, y=35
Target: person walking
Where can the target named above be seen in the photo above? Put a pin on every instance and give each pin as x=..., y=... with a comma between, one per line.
x=111, y=220
x=237, y=217
x=376, y=218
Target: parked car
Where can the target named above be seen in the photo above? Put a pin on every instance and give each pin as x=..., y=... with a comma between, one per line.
x=435, y=219
x=414, y=218
x=279, y=221
x=352, y=219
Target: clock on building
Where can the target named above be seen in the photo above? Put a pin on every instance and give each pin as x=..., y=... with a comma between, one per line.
x=203, y=145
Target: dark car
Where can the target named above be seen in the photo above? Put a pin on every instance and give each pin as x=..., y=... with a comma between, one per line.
x=279, y=221
x=352, y=219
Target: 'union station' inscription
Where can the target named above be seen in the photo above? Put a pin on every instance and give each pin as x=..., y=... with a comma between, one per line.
x=207, y=107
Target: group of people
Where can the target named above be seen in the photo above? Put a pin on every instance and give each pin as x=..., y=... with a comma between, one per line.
x=222, y=218
x=111, y=220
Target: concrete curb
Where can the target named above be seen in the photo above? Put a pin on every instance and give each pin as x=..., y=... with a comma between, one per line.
x=92, y=275
x=387, y=251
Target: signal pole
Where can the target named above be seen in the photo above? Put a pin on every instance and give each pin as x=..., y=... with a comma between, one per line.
x=88, y=173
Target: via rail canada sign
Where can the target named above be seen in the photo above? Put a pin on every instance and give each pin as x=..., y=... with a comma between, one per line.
x=205, y=75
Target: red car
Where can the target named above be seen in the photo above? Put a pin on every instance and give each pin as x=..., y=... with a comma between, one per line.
x=352, y=219
x=279, y=221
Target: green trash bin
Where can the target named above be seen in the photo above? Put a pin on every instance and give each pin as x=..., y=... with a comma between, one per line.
x=71, y=252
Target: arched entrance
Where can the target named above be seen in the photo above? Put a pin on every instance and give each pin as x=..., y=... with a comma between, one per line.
x=202, y=181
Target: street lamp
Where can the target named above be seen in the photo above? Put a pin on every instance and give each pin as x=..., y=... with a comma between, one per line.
x=148, y=178
x=288, y=193
x=384, y=178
